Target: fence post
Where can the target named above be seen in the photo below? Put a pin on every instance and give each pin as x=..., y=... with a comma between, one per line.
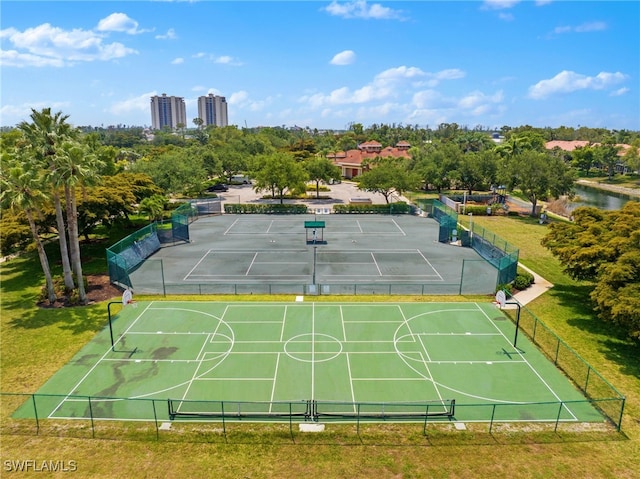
x=493, y=413
x=35, y=412
x=93, y=430
x=555, y=429
x=155, y=418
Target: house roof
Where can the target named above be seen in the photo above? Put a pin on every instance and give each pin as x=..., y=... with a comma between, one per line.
x=572, y=145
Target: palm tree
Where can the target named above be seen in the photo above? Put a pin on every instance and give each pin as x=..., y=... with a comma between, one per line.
x=74, y=167
x=44, y=134
x=21, y=189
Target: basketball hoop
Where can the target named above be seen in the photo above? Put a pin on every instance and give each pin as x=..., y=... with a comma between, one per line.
x=501, y=299
x=127, y=299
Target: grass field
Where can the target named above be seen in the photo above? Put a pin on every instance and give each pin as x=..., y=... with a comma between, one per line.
x=38, y=342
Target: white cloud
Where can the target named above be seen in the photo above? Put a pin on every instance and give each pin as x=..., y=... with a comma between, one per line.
x=360, y=9
x=177, y=61
x=568, y=81
x=139, y=103
x=14, y=114
x=221, y=59
x=499, y=4
x=582, y=28
x=46, y=45
x=620, y=91
x=507, y=17
x=346, y=57
x=119, y=22
x=170, y=35
x=390, y=83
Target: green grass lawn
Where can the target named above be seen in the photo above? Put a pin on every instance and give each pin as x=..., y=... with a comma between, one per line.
x=37, y=342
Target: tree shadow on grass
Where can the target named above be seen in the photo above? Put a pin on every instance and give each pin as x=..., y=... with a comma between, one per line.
x=77, y=320
x=613, y=341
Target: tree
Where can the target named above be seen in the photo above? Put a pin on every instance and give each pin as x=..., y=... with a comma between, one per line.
x=75, y=167
x=607, y=155
x=43, y=137
x=538, y=175
x=21, y=189
x=604, y=247
x=388, y=176
x=321, y=169
x=583, y=158
x=277, y=173
x=153, y=207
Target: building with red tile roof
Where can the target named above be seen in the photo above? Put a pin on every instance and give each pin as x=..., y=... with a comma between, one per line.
x=351, y=161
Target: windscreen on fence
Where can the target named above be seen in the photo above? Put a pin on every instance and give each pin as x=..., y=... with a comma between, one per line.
x=128, y=253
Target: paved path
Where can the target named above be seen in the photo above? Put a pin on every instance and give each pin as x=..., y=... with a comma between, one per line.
x=538, y=288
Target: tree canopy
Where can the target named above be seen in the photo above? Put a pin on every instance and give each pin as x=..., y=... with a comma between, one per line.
x=604, y=247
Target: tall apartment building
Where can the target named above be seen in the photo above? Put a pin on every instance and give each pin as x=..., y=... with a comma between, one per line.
x=212, y=110
x=167, y=111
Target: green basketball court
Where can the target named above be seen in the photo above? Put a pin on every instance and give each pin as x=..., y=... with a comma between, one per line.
x=179, y=359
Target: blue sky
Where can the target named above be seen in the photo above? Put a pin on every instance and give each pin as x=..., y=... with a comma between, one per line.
x=327, y=64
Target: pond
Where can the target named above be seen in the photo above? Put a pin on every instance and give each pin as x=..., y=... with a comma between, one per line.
x=605, y=200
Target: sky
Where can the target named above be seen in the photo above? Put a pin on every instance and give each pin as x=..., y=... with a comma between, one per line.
x=326, y=64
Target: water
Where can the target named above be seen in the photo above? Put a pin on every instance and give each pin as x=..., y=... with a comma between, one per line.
x=604, y=200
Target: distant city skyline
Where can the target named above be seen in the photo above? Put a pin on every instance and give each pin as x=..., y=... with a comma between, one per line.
x=327, y=64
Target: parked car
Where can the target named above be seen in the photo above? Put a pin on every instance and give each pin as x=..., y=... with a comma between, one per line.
x=218, y=187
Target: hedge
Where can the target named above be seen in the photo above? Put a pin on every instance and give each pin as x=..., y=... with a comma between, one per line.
x=394, y=208
x=265, y=209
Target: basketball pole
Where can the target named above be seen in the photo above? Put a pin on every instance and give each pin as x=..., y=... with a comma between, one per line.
x=515, y=338
x=110, y=326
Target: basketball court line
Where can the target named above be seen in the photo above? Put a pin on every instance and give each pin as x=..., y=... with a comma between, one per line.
x=425, y=358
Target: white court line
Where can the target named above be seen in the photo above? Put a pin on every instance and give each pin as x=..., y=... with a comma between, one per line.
x=344, y=331
x=313, y=349
x=359, y=227
x=186, y=278
x=376, y=263
x=229, y=228
x=269, y=227
x=284, y=319
x=435, y=270
x=275, y=380
x=527, y=363
x=95, y=365
x=398, y=226
x=353, y=394
x=252, y=261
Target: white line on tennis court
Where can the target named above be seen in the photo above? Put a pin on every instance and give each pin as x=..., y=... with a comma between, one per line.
x=376, y=263
x=424, y=257
x=269, y=227
x=398, y=226
x=252, y=261
x=230, y=227
x=359, y=227
x=196, y=265
x=344, y=331
x=516, y=351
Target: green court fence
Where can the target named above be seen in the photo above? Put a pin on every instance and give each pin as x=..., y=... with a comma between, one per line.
x=127, y=254
x=121, y=418
x=474, y=279
x=130, y=252
x=502, y=255
x=594, y=387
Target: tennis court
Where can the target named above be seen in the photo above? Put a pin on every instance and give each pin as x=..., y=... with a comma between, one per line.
x=193, y=360
x=386, y=252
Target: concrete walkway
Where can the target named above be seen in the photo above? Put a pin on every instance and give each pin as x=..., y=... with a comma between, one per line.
x=538, y=288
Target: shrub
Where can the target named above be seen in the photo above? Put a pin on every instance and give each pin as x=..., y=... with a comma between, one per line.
x=523, y=280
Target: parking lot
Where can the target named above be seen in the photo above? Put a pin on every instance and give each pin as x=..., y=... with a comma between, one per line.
x=341, y=193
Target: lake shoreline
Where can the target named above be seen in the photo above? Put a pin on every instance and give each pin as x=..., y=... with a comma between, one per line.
x=632, y=192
